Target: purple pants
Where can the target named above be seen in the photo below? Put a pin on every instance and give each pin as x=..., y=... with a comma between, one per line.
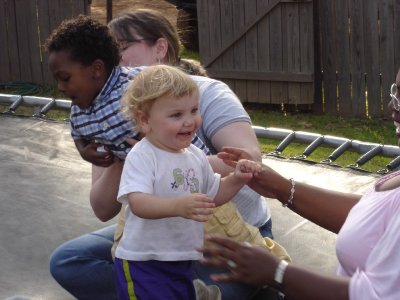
x=154, y=280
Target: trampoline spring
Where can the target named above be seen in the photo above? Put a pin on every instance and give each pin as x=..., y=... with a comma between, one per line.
x=390, y=166
x=45, y=109
x=286, y=141
x=314, y=145
x=339, y=151
x=14, y=105
x=369, y=155
x=36, y=112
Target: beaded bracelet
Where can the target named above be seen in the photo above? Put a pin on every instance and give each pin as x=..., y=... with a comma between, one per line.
x=292, y=190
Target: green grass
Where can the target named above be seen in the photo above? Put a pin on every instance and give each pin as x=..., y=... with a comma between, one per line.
x=379, y=131
x=189, y=54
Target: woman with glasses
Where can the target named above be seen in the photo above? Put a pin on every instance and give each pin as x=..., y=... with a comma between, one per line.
x=368, y=242
x=146, y=37
x=84, y=264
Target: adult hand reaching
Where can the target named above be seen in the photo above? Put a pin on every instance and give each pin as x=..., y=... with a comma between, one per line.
x=231, y=155
x=266, y=182
x=243, y=262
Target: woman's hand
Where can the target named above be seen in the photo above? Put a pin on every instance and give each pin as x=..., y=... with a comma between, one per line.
x=245, y=263
x=231, y=155
x=265, y=181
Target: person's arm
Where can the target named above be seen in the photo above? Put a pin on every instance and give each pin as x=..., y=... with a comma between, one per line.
x=239, y=135
x=104, y=191
x=326, y=208
x=103, y=194
x=256, y=266
x=193, y=206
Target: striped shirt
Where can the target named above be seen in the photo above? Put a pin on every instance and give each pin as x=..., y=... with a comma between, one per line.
x=103, y=122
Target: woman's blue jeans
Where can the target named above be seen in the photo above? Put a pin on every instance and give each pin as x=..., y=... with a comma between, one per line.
x=84, y=267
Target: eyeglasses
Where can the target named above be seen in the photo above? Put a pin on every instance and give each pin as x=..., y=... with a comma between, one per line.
x=394, y=99
x=125, y=44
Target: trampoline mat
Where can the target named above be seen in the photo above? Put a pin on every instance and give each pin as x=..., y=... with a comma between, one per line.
x=44, y=192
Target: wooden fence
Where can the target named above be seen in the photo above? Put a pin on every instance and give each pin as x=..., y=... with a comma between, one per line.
x=360, y=54
x=262, y=48
x=336, y=56
x=24, y=27
x=339, y=55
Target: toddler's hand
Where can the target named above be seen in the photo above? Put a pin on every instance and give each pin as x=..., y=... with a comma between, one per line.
x=195, y=206
x=247, y=169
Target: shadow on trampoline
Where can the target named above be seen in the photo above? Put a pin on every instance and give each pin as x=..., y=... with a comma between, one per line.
x=44, y=202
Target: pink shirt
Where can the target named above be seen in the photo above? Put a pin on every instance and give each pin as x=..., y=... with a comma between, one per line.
x=368, y=245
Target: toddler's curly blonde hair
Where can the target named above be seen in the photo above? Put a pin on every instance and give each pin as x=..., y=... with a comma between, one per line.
x=153, y=83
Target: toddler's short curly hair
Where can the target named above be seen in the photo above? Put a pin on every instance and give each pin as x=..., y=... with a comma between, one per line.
x=86, y=40
x=153, y=83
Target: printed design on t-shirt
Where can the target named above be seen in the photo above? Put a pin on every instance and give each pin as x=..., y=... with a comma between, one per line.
x=185, y=179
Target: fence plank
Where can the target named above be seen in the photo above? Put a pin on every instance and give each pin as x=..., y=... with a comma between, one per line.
x=15, y=64
x=45, y=28
x=342, y=48
x=251, y=50
x=357, y=58
x=80, y=7
x=371, y=51
x=318, y=105
x=278, y=90
x=28, y=43
x=328, y=61
x=292, y=48
x=71, y=9
x=56, y=16
x=264, y=87
x=240, y=49
x=23, y=40
x=306, y=45
x=4, y=54
x=215, y=33
x=204, y=31
x=396, y=33
x=227, y=34
x=387, y=44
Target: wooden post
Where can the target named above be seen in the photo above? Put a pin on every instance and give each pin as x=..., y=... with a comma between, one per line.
x=109, y=10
